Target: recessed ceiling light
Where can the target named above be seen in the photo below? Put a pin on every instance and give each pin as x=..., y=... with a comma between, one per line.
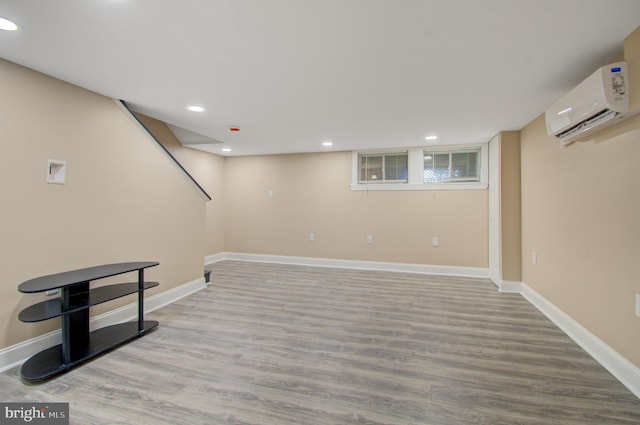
x=195, y=108
x=7, y=25
x=431, y=138
x=226, y=149
x=327, y=143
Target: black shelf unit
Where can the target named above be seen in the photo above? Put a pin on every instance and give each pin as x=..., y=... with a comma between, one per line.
x=76, y=297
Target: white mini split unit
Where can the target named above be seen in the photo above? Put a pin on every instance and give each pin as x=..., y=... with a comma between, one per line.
x=596, y=103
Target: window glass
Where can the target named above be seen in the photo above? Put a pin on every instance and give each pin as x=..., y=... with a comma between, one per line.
x=370, y=168
x=451, y=166
x=436, y=167
x=464, y=165
x=395, y=167
x=383, y=168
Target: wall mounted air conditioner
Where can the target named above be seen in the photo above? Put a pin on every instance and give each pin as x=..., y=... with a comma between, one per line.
x=596, y=103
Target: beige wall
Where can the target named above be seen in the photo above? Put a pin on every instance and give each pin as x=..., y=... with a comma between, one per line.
x=311, y=194
x=124, y=199
x=580, y=214
x=632, y=56
x=207, y=169
x=510, y=206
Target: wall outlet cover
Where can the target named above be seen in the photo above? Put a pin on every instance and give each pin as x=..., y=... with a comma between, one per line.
x=56, y=171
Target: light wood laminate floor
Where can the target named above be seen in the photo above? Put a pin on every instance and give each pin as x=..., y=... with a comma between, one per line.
x=278, y=345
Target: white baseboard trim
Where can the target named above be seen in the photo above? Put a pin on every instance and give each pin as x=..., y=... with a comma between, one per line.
x=622, y=369
x=18, y=353
x=510, y=287
x=214, y=258
x=352, y=264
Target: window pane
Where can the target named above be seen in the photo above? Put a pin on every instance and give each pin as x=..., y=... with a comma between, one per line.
x=441, y=166
x=474, y=165
x=396, y=167
x=429, y=175
x=370, y=168
x=436, y=167
x=464, y=166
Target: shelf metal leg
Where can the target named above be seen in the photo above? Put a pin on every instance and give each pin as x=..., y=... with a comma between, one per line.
x=140, y=300
x=66, y=327
x=75, y=326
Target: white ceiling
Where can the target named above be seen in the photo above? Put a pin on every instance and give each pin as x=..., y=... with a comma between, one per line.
x=293, y=73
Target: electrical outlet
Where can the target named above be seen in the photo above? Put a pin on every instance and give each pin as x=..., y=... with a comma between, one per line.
x=312, y=237
x=270, y=194
x=534, y=258
x=369, y=239
x=638, y=305
x=435, y=241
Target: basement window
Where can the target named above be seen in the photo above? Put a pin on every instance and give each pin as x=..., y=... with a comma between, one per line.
x=452, y=166
x=380, y=168
x=434, y=168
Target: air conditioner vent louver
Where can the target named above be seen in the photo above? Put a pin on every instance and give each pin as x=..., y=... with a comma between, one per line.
x=581, y=127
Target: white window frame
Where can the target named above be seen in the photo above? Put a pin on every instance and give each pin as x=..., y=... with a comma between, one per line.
x=416, y=169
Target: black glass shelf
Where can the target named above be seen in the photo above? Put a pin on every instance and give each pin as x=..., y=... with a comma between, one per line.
x=73, y=305
x=64, y=279
x=51, y=362
x=53, y=308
